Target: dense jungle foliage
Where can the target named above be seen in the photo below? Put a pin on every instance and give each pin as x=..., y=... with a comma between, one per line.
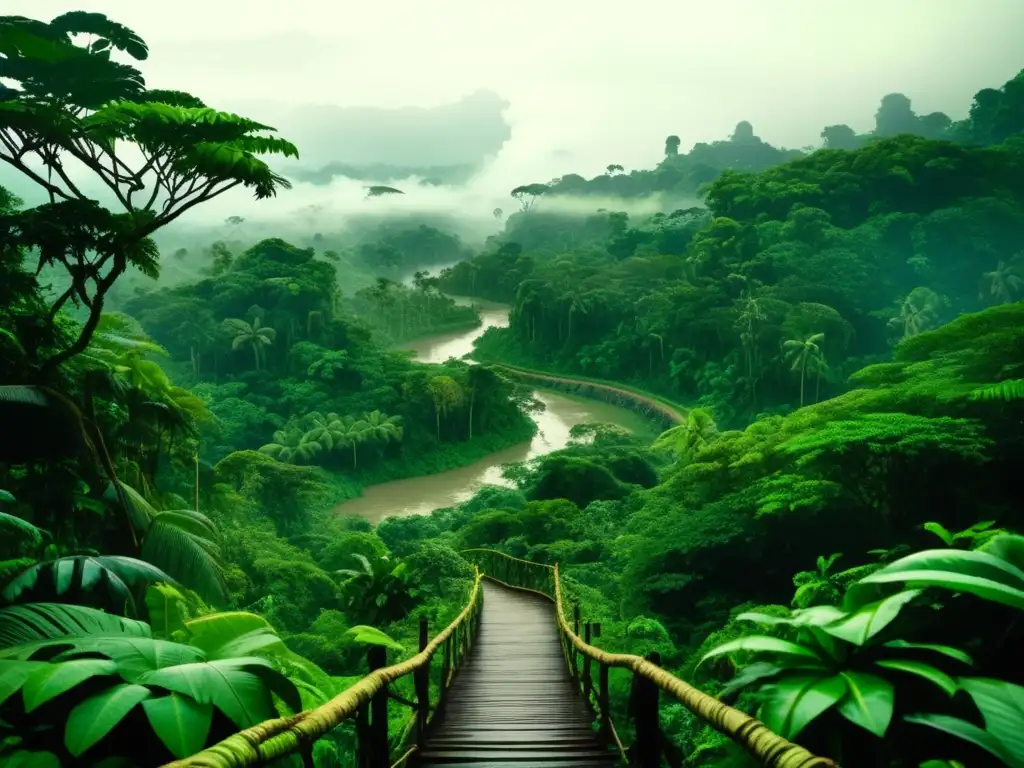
x=830, y=541
x=865, y=247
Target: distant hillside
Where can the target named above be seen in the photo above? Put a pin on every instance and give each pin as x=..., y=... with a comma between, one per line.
x=995, y=115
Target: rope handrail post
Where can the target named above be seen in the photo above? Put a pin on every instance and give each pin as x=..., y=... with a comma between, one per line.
x=588, y=682
x=378, y=750
x=770, y=749
x=576, y=613
x=645, y=695
x=421, y=682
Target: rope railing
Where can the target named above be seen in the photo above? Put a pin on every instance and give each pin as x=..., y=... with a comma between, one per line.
x=770, y=749
x=366, y=702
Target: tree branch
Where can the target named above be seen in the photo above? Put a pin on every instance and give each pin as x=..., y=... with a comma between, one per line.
x=167, y=218
x=93, y=321
x=50, y=188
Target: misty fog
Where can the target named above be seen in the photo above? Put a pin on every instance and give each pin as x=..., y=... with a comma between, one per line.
x=585, y=85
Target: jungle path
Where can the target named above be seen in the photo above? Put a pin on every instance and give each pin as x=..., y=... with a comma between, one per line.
x=513, y=702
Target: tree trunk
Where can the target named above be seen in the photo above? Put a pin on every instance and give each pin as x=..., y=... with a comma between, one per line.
x=256, y=352
x=355, y=457
x=803, y=372
x=472, y=397
x=437, y=417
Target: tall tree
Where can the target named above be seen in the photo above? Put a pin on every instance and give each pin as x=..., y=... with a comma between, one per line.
x=1002, y=284
x=75, y=115
x=446, y=394
x=254, y=335
x=802, y=353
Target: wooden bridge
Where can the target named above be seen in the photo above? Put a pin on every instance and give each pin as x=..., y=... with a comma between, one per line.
x=513, y=687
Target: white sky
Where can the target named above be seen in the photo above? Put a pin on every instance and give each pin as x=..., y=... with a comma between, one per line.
x=605, y=80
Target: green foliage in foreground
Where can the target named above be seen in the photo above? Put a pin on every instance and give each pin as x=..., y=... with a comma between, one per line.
x=170, y=566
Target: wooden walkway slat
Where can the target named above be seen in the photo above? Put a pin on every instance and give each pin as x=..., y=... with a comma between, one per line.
x=513, y=703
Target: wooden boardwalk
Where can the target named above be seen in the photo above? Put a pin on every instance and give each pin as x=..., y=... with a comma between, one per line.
x=513, y=702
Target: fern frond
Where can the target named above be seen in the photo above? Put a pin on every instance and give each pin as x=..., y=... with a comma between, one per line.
x=1011, y=389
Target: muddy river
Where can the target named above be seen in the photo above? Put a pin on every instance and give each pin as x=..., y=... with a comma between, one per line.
x=421, y=495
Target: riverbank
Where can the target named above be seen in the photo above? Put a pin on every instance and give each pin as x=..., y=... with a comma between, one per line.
x=423, y=494
x=646, y=404
x=440, y=330
x=567, y=403
x=447, y=457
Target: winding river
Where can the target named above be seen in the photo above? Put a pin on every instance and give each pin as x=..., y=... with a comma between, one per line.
x=421, y=495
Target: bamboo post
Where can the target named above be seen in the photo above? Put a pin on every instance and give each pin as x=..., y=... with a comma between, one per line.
x=588, y=682
x=377, y=657
x=421, y=680
x=647, y=749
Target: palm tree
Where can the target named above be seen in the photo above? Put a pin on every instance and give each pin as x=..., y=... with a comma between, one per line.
x=376, y=592
x=918, y=312
x=328, y=431
x=354, y=433
x=289, y=447
x=686, y=439
x=446, y=394
x=180, y=542
x=801, y=353
x=255, y=335
x=1001, y=284
x=382, y=428
x=819, y=367
x=579, y=303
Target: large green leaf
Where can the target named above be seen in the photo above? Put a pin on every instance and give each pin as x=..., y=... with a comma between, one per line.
x=14, y=673
x=926, y=671
x=35, y=622
x=25, y=759
x=95, y=717
x=106, y=581
x=367, y=635
x=791, y=704
x=235, y=686
x=164, y=607
x=962, y=729
x=861, y=626
x=181, y=723
x=1008, y=547
x=945, y=650
x=55, y=679
x=182, y=543
x=868, y=702
x=13, y=529
x=815, y=616
x=135, y=656
x=758, y=672
x=763, y=644
x=215, y=632
x=1002, y=706
x=975, y=572
x=987, y=589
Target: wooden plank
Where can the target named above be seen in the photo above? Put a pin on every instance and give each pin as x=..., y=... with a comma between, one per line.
x=513, y=702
